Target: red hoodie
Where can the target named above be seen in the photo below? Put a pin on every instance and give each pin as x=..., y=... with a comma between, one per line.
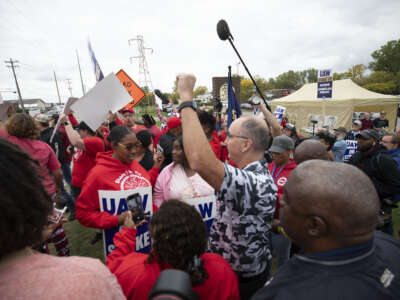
x=215, y=144
x=107, y=176
x=280, y=176
x=136, y=277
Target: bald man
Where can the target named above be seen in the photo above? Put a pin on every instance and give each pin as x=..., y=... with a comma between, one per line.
x=342, y=257
x=245, y=195
x=310, y=149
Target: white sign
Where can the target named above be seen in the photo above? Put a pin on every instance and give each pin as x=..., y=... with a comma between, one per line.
x=108, y=94
x=65, y=111
x=279, y=113
x=206, y=206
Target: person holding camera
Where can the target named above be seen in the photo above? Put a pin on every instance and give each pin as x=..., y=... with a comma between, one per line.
x=24, y=223
x=179, y=241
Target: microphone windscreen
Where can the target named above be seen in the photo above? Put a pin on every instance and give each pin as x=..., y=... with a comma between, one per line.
x=223, y=30
x=158, y=93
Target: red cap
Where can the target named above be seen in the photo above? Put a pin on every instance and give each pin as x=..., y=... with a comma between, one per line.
x=125, y=109
x=173, y=122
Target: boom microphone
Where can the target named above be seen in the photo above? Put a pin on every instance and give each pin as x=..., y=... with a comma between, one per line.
x=225, y=34
x=223, y=30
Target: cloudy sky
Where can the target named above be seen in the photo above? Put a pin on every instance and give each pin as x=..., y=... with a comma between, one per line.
x=272, y=37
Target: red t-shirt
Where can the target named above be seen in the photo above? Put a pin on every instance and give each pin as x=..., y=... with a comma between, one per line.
x=84, y=160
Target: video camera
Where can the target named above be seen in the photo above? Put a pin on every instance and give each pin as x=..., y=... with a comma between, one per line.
x=173, y=285
x=217, y=105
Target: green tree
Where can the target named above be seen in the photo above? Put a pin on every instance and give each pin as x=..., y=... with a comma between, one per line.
x=290, y=80
x=357, y=71
x=312, y=75
x=389, y=87
x=200, y=90
x=339, y=76
x=387, y=58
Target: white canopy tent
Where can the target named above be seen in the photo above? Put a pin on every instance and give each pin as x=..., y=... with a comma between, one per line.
x=347, y=97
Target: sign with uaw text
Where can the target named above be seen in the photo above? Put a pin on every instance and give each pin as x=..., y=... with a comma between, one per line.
x=324, y=86
x=114, y=202
x=279, y=113
x=352, y=146
x=206, y=206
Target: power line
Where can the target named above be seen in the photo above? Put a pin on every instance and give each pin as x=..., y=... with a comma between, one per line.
x=11, y=64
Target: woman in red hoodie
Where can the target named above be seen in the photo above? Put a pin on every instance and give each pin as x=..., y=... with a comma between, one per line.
x=179, y=242
x=102, y=202
x=280, y=169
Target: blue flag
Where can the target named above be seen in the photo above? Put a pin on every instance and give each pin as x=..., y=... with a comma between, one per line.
x=97, y=71
x=234, y=111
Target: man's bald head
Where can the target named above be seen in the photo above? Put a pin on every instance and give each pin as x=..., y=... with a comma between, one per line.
x=338, y=196
x=257, y=130
x=310, y=149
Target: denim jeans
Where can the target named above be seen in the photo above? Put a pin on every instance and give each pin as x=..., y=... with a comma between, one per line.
x=69, y=199
x=66, y=169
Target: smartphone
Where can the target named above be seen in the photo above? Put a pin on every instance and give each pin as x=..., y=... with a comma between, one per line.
x=135, y=205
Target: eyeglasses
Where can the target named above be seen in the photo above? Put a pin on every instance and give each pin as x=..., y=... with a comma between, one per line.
x=229, y=135
x=130, y=147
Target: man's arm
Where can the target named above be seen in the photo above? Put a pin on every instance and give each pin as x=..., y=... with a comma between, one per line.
x=58, y=177
x=73, y=135
x=272, y=122
x=198, y=152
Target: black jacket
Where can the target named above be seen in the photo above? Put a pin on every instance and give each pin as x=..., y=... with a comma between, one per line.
x=56, y=144
x=371, y=274
x=381, y=169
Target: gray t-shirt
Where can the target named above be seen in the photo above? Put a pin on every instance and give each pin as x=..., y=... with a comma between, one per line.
x=245, y=208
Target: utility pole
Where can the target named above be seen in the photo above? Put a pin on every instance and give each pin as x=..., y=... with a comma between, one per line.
x=80, y=73
x=69, y=85
x=58, y=92
x=12, y=66
x=144, y=74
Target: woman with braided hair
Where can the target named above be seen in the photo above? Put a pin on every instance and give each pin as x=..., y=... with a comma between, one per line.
x=179, y=241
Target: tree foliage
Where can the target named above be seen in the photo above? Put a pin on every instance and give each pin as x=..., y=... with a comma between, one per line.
x=387, y=58
x=200, y=90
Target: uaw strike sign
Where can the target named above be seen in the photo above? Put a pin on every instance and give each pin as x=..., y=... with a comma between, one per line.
x=133, y=89
x=114, y=202
x=206, y=206
x=352, y=146
x=325, y=79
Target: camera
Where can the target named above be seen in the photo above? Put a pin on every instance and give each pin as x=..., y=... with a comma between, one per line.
x=217, y=105
x=135, y=205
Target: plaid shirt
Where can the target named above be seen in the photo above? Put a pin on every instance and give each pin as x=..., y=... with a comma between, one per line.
x=245, y=208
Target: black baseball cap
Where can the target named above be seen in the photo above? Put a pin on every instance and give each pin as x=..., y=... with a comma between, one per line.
x=368, y=134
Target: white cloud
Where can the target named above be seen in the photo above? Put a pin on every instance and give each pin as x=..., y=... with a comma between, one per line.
x=272, y=37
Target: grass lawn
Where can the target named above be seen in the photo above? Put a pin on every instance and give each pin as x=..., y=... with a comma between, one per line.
x=79, y=237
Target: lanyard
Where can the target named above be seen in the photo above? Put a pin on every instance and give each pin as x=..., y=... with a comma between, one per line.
x=277, y=173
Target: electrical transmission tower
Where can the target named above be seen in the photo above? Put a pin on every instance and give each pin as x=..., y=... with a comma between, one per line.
x=144, y=74
x=12, y=64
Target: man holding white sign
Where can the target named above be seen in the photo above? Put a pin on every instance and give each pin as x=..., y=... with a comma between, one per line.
x=245, y=196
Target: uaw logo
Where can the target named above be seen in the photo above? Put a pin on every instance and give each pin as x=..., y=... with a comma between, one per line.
x=281, y=181
x=131, y=180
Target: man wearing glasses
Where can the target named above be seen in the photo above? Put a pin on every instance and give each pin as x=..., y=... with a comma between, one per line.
x=245, y=195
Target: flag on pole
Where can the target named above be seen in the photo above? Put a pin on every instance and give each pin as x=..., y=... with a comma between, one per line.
x=234, y=111
x=97, y=71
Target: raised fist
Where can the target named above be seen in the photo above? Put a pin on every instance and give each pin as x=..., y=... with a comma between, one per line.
x=185, y=86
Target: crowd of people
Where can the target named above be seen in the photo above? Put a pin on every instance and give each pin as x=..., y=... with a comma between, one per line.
x=267, y=191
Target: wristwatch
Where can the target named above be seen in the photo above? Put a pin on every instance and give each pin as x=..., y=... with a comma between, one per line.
x=190, y=104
